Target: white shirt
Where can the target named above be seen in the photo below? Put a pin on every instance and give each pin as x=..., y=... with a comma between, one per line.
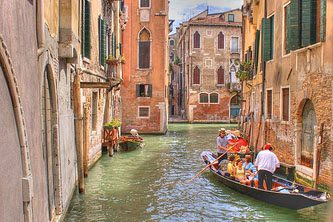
x=267, y=160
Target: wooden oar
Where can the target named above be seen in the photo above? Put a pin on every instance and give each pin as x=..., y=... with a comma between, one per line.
x=203, y=170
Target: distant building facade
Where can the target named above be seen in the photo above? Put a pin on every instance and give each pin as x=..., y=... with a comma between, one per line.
x=144, y=92
x=209, y=50
x=288, y=100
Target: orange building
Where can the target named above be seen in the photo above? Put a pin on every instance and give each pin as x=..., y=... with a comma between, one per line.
x=144, y=96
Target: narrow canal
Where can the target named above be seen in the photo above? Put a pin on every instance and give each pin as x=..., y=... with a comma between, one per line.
x=146, y=185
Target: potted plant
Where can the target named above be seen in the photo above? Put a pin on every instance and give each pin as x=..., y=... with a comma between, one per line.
x=115, y=123
x=111, y=60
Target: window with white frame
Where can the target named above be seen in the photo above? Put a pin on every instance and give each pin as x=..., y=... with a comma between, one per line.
x=231, y=18
x=144, y=49
x=214, y=98
x=203, y=98
x=144, y=3
x=144, y=111
x=234, y=44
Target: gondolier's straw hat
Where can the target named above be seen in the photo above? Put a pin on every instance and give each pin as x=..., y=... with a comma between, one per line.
x=222, y=130
x=134, y=132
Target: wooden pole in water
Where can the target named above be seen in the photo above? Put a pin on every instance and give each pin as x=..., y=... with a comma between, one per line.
x=78, y=130
x=85, y=141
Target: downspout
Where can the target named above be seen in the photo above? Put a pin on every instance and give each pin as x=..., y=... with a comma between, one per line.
x=40, y=27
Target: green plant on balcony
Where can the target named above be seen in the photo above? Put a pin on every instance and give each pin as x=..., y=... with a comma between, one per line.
x=245, y=71
x=114, y=123
x=177, y=61
x=111, y=60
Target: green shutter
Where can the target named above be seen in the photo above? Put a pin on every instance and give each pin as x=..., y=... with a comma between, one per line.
x=114, y=46
x=323, y=20
x=150, y=93
x=266, y=36
x=120, y=49
x=309, y=17
x=103, y=42
x=100, y=39
x=137, y=90
x=271, y=43
x=256, y=55
x=288, y=29
x=294, y=24
x=86, y=29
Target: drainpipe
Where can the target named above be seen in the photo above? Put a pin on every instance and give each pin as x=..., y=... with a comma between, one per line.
x=40, y=27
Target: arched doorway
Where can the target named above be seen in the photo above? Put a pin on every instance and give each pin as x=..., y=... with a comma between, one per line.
x=15, y=166
x=235, y=106
x=49, y=143
x=308, y=123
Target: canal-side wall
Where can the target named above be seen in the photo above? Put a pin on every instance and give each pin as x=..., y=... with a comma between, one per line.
x=301, y=136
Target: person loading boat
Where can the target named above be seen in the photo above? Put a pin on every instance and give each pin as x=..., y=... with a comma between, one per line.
x=266, y=163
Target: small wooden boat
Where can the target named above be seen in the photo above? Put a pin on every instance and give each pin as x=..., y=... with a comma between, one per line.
x=131, y=142
x=286, y=193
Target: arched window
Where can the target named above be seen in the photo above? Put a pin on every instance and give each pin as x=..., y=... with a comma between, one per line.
x=144, y=49
x=203, y=97
x=172, y=42
x=196, y=40
x=196, y=75
x=220, y=41
x=214, y=98
x=220, y=76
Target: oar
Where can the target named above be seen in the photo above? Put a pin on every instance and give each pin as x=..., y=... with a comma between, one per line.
x=203, y=170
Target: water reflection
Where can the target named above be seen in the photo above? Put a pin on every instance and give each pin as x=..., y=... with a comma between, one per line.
x=148, y=185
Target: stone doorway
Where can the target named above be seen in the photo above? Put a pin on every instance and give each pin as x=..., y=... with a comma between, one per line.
x=48, y=139
x=308, y=133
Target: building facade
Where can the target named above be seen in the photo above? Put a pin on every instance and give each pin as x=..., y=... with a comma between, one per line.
x=144, y=91
x=47, y=78
x=288, y=99
x=209, y=51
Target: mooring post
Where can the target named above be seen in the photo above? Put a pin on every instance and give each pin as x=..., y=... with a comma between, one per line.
x=85, y=140
x=78, y=119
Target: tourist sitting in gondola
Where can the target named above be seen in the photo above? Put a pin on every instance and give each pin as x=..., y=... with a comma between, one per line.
x=238, y=144
x=239, y=173
x=231, y=165
x=250, y=170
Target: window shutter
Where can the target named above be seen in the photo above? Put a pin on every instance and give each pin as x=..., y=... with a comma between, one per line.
x=323, y=20
x=220, y=76
x=308, y=22
x=144, y=54
x=114, y=46
x=256, y=48
x=266, y=32
x=196, y=75
x=196, y=40
x=100, y=39
x=285, y=97
x=288, y=29
x=120, y=49
x=150, y=90
x=138, y=90
x=294, y=26
x=103, y=42
x=86, y=34
x=220, y=41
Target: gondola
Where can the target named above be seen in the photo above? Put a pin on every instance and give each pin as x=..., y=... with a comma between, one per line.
x=127, y=143
x=286, y=193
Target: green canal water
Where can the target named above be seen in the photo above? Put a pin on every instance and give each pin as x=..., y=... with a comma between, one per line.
x=147, y=185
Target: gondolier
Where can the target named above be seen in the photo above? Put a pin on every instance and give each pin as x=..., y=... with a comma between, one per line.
x=266, y=163
x=221, y=144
